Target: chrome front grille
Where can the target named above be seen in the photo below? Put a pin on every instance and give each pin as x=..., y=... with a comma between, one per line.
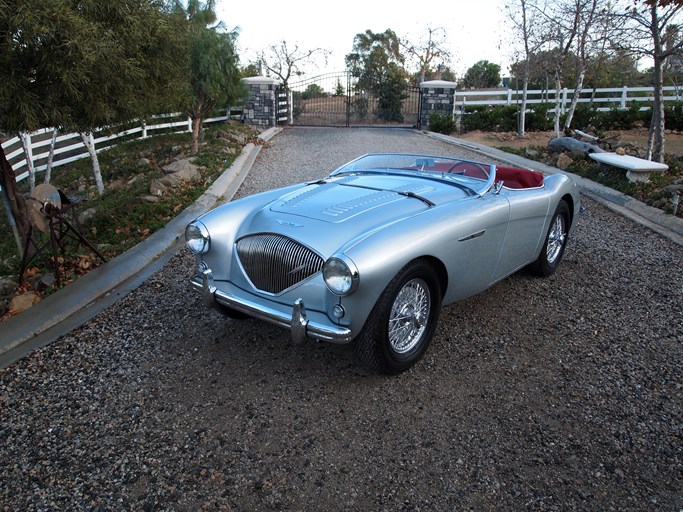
x=274, y=263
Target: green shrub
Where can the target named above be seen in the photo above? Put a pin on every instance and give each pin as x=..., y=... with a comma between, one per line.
x=673, y=116
x=538, y=120
x=441, y=123
x=502, y=118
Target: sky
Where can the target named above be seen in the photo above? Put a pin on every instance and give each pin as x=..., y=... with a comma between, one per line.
x=473, y=27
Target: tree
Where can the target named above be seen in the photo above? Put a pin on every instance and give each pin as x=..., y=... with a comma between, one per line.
x=377, y=62
x=525, y=16
x=284, y=62
x=482, y=75
x=587, y=11
x=643, y=28
x=214, y=74
x=430, y=53
x=313, y=91
x=562, y=24
x=79, y=66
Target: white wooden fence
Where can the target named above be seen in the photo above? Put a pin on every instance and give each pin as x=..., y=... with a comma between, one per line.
x=69, y=146
x=604, y=99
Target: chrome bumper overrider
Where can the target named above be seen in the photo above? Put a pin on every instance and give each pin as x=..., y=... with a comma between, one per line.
x=297, y=322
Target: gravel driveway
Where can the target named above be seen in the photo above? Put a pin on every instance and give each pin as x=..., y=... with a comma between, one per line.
x=562, y=393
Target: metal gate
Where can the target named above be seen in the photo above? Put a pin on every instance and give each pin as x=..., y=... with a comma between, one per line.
x=334, y=99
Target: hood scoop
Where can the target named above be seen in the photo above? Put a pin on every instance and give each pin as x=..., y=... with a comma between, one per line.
x=349, y=196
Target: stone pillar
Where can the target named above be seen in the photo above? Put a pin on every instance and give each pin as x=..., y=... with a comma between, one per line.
x=437, y=96
x=261, y=106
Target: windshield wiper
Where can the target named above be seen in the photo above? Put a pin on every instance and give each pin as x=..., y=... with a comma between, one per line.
x=415, y=196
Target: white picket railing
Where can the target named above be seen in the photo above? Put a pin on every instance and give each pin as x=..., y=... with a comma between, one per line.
x=605, y=99
x=69, y=147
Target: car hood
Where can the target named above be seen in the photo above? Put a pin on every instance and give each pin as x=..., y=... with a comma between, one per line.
x=333, y=212
x=350, y=197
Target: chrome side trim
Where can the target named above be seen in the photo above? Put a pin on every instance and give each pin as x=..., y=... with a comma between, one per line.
x=473, y=235
x=297, y=322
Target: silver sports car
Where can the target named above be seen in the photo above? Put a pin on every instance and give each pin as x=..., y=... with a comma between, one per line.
x=371, y=252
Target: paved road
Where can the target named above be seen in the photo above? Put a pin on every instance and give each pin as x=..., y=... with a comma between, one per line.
x=539, y=394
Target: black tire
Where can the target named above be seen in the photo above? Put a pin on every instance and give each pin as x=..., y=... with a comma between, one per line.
x=382, y=349
x=555, y=243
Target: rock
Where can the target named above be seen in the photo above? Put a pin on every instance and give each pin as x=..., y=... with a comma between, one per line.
x=531, y=153
x=86, y=215
x=178, y=172
x=7, y=286
x=571, y=144
x=156, y=188
x=563, y=161
x=235, y=137
x=4, y=307
x=118, y=185
x=45, y=282
x=23, y=302
x=135, y=179
x=150, y=198
x=180, y=166
x=144, y=162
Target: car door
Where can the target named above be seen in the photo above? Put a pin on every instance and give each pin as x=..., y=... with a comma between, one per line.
x=474, y=245
x=528, y=213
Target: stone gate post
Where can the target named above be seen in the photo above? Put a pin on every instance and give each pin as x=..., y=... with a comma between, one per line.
x=437, y=96
x=261, y=106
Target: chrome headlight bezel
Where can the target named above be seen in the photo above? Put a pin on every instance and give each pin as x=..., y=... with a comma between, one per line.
x=197, y=238
x=340, y=275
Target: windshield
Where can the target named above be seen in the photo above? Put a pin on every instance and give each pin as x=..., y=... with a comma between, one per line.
x=476, y=176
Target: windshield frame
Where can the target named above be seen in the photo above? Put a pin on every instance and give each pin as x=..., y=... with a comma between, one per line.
x=423, y=165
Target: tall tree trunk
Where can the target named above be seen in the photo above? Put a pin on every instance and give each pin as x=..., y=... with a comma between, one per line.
x=558, y=91
x=521, y=129
x=196, y=125
x=657, y=125
x=89, y=144
x=656, y=135
x=575, y=98
x=17, y=205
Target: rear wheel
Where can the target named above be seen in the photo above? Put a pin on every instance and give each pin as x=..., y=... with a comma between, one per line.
x=555, y=242
x=402, y=323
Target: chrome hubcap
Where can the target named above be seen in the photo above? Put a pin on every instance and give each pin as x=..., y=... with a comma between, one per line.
x=409, y=316
x=556, y=238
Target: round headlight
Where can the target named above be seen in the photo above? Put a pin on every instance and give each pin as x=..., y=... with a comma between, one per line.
x=197, y=237
x=341, y=276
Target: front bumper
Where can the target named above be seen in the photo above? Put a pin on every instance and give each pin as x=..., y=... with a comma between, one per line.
x=300, y=326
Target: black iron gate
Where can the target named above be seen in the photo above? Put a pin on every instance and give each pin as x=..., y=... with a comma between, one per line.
x=334, y=99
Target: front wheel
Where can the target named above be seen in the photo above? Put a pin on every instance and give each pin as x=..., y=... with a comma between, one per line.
x=402, y=323
x=555, y=242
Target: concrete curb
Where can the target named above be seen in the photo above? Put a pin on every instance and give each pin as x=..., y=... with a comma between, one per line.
x=76, y=303
x=666, y=225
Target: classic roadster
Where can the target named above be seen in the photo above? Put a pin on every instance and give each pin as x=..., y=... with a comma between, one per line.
x=371, y=252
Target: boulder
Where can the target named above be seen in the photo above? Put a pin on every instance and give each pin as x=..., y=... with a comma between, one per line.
x=23, y=302
x=563, y=161
x=86, y=215
x=183, y=166
x=560, y=144
x=7, y=286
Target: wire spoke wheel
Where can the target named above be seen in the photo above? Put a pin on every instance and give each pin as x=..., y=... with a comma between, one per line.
x=409, y=316
x=401, y=325
x=556, y=239
x=555, y=242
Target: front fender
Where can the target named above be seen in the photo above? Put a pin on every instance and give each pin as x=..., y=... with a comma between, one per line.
x=466, y=237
